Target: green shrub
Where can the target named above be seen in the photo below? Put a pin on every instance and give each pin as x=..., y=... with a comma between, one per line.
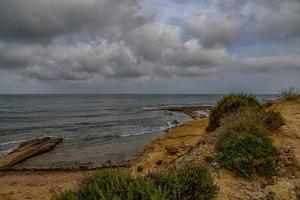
x=229, y=104
x=273, y=120
x=254, y=116
x=289, y=94
x=65, y=196
x=247, y=150
x=192, y=183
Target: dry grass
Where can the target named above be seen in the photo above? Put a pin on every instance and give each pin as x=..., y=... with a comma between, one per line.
x=289, y=94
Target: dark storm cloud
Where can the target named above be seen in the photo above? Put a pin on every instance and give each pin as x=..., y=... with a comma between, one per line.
x=105, y=40
x=39, y=20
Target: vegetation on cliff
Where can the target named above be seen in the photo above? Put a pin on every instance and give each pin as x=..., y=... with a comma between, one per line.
x=245, y=146
x=229, y=104
x=191, y=183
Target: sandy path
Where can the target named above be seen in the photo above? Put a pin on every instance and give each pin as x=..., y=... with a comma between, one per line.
x=290, y=134
x=36, y=185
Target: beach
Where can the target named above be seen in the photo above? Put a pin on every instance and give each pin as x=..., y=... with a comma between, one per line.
x=39, y=184
x=192, y=144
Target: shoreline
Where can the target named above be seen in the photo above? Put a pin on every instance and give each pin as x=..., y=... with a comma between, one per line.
x=193, y=146
x=40, y=184
x=191, y=111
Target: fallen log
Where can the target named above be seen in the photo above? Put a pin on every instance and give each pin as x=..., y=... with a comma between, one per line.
x=28, y=149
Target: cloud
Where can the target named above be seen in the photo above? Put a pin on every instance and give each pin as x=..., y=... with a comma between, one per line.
x=116, y=40
x=41, y=20
x=150, y=40
x=270, y=64
x=265, y=20
x=104, y=60
x=220, y=32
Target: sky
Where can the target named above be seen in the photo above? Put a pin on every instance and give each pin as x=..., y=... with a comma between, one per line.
x=149, y=46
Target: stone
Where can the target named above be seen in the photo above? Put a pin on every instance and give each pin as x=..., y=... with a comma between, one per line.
x=28, y=149
x=259, y=196
x=171, y=149
x=283, y=190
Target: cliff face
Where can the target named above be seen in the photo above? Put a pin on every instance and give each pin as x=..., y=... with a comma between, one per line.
x=195, y=146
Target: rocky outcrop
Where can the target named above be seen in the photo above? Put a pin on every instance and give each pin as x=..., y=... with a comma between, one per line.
x=195, y=112
x=28, y=149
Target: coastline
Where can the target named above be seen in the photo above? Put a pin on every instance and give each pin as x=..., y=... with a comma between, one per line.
x=193, y=145
x=39, y=184
x=34, y=146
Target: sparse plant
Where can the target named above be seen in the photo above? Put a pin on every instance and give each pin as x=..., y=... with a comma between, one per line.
x=254, y=116
x=273, y=120
x=191, y=183
x=289, y=94
x=247, y=150
x=229, y=104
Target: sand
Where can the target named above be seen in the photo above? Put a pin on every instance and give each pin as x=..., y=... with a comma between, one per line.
x=193, y=145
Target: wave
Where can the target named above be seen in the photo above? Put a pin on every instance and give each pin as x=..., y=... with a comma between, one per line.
x=157, y=130
x=145, y=108
x=11, y=142
x=105, y=137
x=165, y=107
x=7, y=147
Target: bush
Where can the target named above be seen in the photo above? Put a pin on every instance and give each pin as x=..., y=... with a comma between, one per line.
x=253, y=116
x=229, y=104
x=289, y=94
x=247, y=150
x=192, y=183
x=273, y=120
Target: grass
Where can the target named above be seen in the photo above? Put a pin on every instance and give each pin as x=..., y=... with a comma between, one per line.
x=257, y=116
x=191, y=183
x=229, y=104
x=247, y=150
x=289, y=94
x=245, y=147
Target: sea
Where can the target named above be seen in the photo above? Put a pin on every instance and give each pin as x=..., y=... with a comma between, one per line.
x=97, y=129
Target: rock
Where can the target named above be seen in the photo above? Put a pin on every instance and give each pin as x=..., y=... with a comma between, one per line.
x=175, y=122
x=283, y=190
x=258, y=196
x=28, y=149
x=171, y=149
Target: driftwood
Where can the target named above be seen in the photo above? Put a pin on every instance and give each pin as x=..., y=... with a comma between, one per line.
x=28, y=149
